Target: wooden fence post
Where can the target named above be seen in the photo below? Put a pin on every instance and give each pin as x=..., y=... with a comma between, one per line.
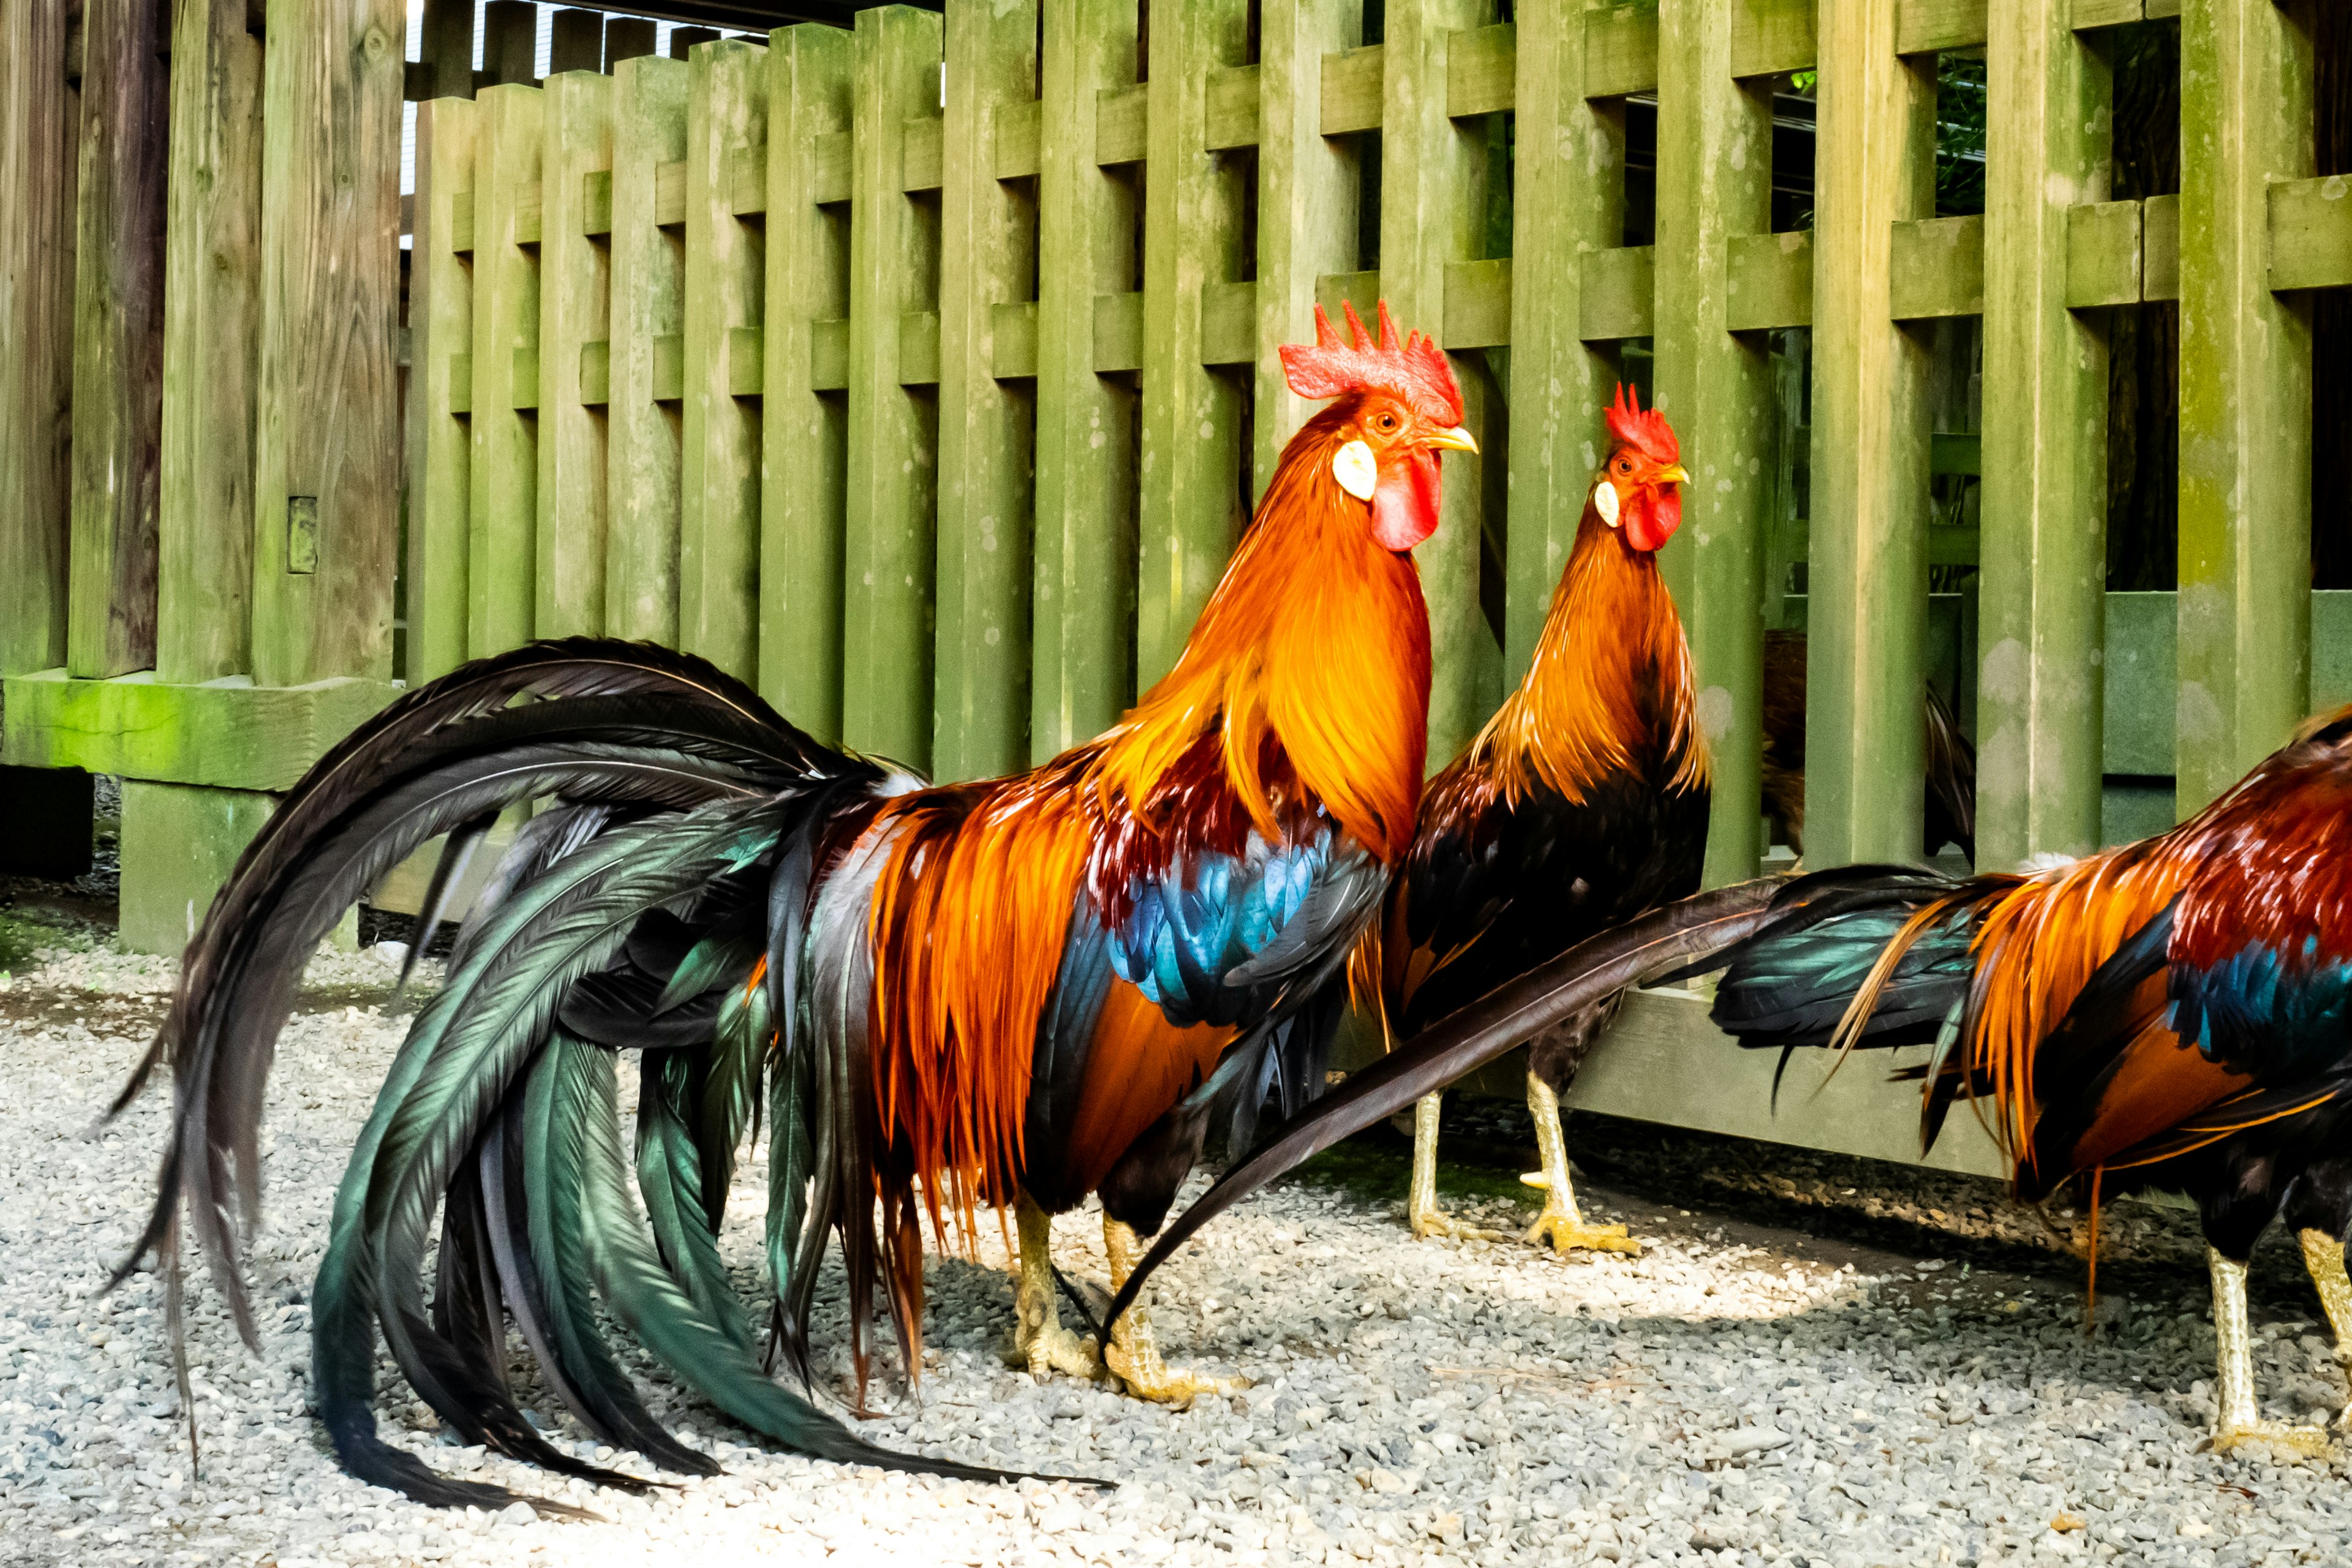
x=1434, y=214
x=502, y=511
x=1084, y=600
x=449, y=48
x=803, y=450
x=718, y=526
x=574, y=308
x=39, y=120
x=2042, y=638
x=439, y=439
x=648, y=314
x=1715, y=184
x=2246, y=117
x=118, y=378
x=988, y=252
x=211, y=321
x=1866, y=665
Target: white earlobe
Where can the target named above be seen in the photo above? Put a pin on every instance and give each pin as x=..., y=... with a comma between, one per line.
x=1604, y=502
x=1354, y=468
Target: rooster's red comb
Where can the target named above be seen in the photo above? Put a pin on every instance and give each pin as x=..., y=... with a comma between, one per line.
x=1414, y=371
x=1645, y=429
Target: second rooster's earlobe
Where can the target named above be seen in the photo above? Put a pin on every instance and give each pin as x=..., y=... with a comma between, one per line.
x=1355, y=469
x=1604, y=502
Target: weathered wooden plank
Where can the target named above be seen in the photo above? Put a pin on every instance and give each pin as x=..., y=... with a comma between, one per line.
x=1122, y=125
x=1233, y=108
x=118, y=380
x=669, y=195
x=718, y=518
x=2159, y=249
x=1015, y=330
x=2311, y=233
x=1084, y=598
x=1190, y=510
x=2246, y=109
x=502, y=518
x=1939, y=267
x=1715, y=187
x=510, y=43
x=326, y=428
x=576, y=289
x=1228, y=324
x=1477, y=313
x=2084, y=15
x=1015, y=151
x=987, y=253
x=803, y=450
x=39, y=123
x=212, y=318
x=1769, y=37
x=1771, y=281
x=893, y=450
x=439, y=446
x=1352, y=91
x=628, y=39
x=2040, y=628
x=1336, y=290
x=1481, y=71
x=643, y=459
x=923, y=165
x=1566, y=208
x=178, y=846
x=1868, y=615
x=226, y=734
x=1618, y=301
x=1922, y=26
x=575, y=41
x=1309, y=193
x=449, y=49
x=1621, y=50
x=2102, y=255
x=1433, y=172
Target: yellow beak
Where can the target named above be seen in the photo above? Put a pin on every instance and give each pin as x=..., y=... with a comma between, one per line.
x=1673, y=475
x=1458, y=438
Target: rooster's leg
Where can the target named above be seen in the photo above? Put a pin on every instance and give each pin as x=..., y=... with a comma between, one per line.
x=1560, y=1223
x=1040, y=1343
x=2238, y=1421
x=1133, y=1354
x=2324, y=1255
x=1421, y=1210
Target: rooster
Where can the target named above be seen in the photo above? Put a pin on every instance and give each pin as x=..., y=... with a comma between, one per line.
x=1010, y=992
x=2166, y=1015
x=1581, y=805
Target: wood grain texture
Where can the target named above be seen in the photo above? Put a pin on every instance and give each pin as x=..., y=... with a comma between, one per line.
x=574, y=308
x=39, y=130
x=988, y=252
x=502, y=514
x=226, y=733
x=648, y=308
x=439, y=445
x=117, y=377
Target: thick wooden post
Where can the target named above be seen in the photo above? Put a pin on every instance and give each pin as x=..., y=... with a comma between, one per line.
x=648, y=314
x=503, y=513
x=988, y=252
x=211, y=323
x=118, y=381
x=40, y=121
x=803, y=451
x=2041, y=686
x=575, y=310
x=1084, y=600
x=440, y=346
x=1432, y=214
x=1864, y=731
x=1714, y=165
x=2245, y=394
x=575, y=40
x=718, y=539
x=511, y=42
x=326, y=446
x=448, y=47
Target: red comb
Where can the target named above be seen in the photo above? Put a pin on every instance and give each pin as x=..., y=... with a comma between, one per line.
x=1414, y=371
x=1634, y=427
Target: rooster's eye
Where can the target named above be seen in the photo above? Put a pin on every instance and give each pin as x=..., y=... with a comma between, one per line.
x=1385, y=424
x=1625, y=465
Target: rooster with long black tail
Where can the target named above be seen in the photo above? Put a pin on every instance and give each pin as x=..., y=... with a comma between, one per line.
x=1007, y=993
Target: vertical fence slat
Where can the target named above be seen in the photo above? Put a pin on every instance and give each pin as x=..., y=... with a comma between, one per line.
x=1865, y=734
x=648, y=290
x=1714, y=164
x=502, y=516
x=38, y=116
x=1433, y=212
x=1191, y=415
x=1085, y=537
x=806, y=432
x=987, y=254
x=886, y=615
x=1307, y=198
x=718, y=539
x=440, y=442
x=212, y=255
x=327, y=382
x=2246, y=118
x=1566, y=204
x=2041, y=689
x=574, y=291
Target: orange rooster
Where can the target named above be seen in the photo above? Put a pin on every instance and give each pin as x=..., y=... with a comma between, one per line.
x=1010, y=992
x=1582, y=804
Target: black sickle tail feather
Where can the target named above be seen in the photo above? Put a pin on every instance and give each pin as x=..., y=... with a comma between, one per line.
x=1471, y=1037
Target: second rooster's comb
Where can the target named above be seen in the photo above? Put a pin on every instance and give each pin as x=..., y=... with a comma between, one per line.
x=1414, y=371
x=1644, y=427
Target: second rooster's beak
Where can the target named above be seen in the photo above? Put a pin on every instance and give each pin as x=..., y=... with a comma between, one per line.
x=1458, y=438
x=1675, y=475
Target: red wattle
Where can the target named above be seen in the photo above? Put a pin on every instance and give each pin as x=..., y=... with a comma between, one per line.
x=1405, y=502
x=1652, y=517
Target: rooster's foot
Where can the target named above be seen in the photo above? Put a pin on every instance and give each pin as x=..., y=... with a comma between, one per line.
x=1055, y=1349
x=2311, y=1442
x=1567, y=1233
x=1134, y=1355
x=1434, y=1221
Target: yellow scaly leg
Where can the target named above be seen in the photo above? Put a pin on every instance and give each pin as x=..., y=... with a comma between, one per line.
x=1133, y=1352
x=1040, y=1343
x=1421, y=1210
x=2323, y=1255
x=2238, y=1418
x=1561, y=1223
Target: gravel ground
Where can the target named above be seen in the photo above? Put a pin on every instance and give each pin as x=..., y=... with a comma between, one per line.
x=1904, y=1380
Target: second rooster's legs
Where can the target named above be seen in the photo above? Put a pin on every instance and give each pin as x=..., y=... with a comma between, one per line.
x=1561, y=1223
x=2237, y=1416
x=2323, y=1255
x=1040, y=1343
x=1421, y=1210
x=1133, y=1354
